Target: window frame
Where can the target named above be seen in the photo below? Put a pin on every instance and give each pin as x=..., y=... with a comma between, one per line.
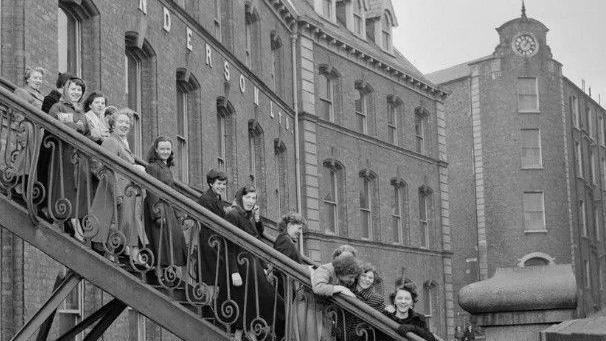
x=76, y=41
x=579, y=160
x=583, y=217
x=425, y=215
x=358, y=19
x=538, y=148
x=182, y=134
x=329, y=97
x=526, y=210
x=132, y=59
x=362, y=114
x=386, y=42
x=537, y=108
x=366, y=194
x=420, y=132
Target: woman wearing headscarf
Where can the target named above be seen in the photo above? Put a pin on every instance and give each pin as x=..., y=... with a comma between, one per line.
x=161, y=222
x=250, y=275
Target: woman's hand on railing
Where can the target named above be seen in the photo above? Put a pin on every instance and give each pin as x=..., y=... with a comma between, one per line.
x=343, y=290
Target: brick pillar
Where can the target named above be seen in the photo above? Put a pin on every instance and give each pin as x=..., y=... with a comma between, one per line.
x=445, y=220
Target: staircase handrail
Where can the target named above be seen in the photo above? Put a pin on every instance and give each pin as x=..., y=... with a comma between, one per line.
x=185, y=204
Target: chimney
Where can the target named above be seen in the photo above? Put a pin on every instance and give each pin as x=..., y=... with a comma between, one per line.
x=583, y=85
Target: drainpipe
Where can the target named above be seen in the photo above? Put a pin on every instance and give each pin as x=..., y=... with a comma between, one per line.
x=295, y=96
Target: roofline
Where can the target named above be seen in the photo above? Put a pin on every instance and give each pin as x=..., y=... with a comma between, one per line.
x=425, y=86
x=586, y=95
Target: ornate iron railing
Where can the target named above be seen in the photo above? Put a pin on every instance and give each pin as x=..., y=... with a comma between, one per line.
x=61, y=176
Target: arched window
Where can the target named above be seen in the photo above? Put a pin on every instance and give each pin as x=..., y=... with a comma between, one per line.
x=276, y=72
x=430, y=298
x=421, y=117
x=368, y=203
x=328, y=92
x=386, y=32
x=252, y=37
x=536, y=259
x=225, y=112
x=358, y=18
x=394, y=109
x=187, y=107
x=256, y=161
x=363, y=106
x=333, y=201
x=282, y=169
x=140, y=89
x=77, y=31
x=399, y=211
x=425, y=215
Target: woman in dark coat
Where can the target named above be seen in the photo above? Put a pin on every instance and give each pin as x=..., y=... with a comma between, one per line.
x=71, y=183
x=162, y=225
x=250, y=275
x=403, y=298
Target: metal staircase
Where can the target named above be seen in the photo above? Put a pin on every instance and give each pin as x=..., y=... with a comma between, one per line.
x=36, y=207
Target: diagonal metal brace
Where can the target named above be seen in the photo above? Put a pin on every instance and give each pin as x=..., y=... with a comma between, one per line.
x=91, y=319
x=69, y=283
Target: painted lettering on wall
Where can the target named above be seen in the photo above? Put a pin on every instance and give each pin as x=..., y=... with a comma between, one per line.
x=188, y=35
x=167, y=20
x=209, y=55
x=226, y=73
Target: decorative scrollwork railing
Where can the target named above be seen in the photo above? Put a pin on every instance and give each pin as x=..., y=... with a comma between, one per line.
x=64, y=178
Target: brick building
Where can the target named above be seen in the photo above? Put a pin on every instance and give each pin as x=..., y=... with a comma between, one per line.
x=526, y=165
x=228, y=80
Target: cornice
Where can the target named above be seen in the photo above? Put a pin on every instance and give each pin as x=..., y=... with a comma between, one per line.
x=387, y=69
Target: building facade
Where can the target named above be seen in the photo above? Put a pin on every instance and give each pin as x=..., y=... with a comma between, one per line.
x=525, y=169
x=307, y=100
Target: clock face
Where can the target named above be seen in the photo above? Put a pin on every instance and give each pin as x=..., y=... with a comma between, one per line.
x=525, y=45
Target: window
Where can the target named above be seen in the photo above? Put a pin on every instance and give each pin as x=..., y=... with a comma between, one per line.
x=399, y=211
x=187, y=107
x=583, y=218
x=217, y=19
x=574, y=109
x=256, y=161
x=365, y=208
x=603, y=173
x=276, y=63
x=393, y=114
x=531, y=148
x=579, y=159
x=386, y=32
x=69, y=42
x=358, y=21
x=225, y=135
x=586, y=119
x=528, y=98
x=592, y=169
x=333, y=208
x=420, y=128
x=132, y=65
x=182, y=135
x=425, y=214
x=601, y=277
x=596, y=222
x=367, y=202
x=252, y=37
x=587, y=274
x=429, y=299
x=590, y=123
x=361, y=104
x=536, y=261
x=140, y=89
x=600, y=136
x=331, y=201
x=71, y=310
x=282, y=169
x=534, y=211
x=326, y=95
x=327, y=9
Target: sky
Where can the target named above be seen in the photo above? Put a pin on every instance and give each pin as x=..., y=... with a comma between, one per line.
x=436, y=34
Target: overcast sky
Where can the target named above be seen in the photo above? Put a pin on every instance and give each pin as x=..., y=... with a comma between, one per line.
x=435, y=34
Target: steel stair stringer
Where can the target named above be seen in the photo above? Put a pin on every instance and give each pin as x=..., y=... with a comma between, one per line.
x=100, y=272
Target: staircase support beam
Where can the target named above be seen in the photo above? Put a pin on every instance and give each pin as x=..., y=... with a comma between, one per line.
x=69, y=283
x=106, y=321
x=91, y=319
x=102, y=273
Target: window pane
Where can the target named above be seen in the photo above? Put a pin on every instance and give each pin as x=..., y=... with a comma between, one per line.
x=533, y=211
x=395, y=228
x=330, y=217
x=62, y=39
x=531, y=148
x=365, y=222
